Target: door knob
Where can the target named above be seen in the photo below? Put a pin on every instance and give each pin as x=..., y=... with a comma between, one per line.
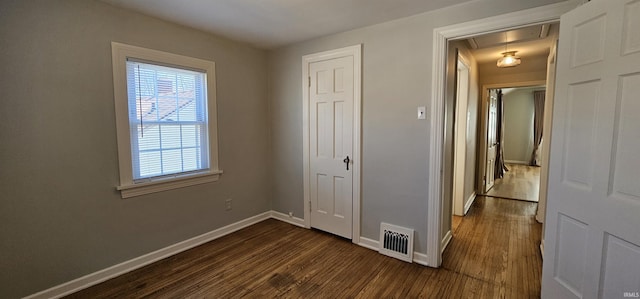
x=347, y=160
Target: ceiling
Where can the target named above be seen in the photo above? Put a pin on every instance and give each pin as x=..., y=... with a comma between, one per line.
x=528, y=41
x=270, y=24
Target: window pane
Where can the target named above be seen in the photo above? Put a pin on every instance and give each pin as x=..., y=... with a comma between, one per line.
x=150, y=164
x=149, y=138
x=170, y=137
x=171, y=161
x=167, y=114
x=190, y=158
x=145, y=82
x=167, y=109
x=146, y=109
x=186, y=84
x=190, y=136
x=187, y=110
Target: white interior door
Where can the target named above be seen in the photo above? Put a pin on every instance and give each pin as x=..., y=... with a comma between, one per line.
x=592, y=238
x=492, y=142
x=331, y=99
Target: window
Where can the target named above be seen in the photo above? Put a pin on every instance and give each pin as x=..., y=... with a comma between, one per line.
x=166, y=120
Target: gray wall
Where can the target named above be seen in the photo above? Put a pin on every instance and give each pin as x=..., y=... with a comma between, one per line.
x=518, y=124
x=396, y=79
x=60, y=215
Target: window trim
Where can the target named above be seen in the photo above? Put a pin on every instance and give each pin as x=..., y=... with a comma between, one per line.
x=128, y=188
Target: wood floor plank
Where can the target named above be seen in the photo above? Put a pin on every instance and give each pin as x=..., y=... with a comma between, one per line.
x=493, y=254
x=521, y=182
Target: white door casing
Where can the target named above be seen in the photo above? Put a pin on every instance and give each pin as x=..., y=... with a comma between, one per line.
x=592, y=237
x=460, y=135
x=537, y=15
x=546, y=137
x=331, y=134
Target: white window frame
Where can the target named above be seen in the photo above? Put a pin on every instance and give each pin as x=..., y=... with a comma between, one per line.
x=128, y=187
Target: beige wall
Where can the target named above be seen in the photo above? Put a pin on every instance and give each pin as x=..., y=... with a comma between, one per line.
x=60, y=214
x=397, y=69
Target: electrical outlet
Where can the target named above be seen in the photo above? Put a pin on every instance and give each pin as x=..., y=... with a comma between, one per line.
x=228, y=204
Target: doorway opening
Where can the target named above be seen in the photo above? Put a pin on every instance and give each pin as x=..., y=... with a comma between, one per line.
x=489, y=137
x=492, y=128
x=522, y=155
x=440, y=175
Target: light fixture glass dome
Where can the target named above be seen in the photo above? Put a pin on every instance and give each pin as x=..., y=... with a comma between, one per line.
x=509, y=59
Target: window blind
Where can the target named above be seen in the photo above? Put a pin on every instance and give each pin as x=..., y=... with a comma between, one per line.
x=167, y=119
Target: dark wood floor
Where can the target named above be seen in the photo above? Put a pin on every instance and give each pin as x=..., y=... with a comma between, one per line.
x=493, y=255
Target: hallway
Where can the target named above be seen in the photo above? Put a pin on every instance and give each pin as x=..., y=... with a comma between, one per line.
x=496, y=244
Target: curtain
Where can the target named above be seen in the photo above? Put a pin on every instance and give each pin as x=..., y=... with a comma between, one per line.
x=500, y=166
x=538, y=123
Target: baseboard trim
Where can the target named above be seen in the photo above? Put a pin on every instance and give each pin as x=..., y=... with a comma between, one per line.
x=369, y=243
x=95, y=278
x=418, y=258
x=288, y=219
x=445, y=241
x=421, y=259
x=470, y=201
x=141, y=261
x=542, y=249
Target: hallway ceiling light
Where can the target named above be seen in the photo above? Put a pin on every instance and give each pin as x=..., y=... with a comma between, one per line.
x=509, y=59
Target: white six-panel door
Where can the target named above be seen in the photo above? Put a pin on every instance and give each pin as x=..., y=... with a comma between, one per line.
x=331, y=101
x=592, y=238
x=492, y=141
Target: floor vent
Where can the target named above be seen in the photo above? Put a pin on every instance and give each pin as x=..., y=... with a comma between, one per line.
x=396, y=241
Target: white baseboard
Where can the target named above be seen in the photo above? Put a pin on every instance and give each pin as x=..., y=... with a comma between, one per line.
x=286, y=218
x=421, y=259
x=418, y=258
x=542, y=248
x=516, y=162
x=141, y=261
x=369, y=243
x=445, y=241
x=470, y=201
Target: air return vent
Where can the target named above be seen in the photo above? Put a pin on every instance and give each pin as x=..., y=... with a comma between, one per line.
x=396, y=241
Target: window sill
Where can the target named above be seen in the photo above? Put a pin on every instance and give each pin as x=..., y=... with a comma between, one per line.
x=133, y=190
